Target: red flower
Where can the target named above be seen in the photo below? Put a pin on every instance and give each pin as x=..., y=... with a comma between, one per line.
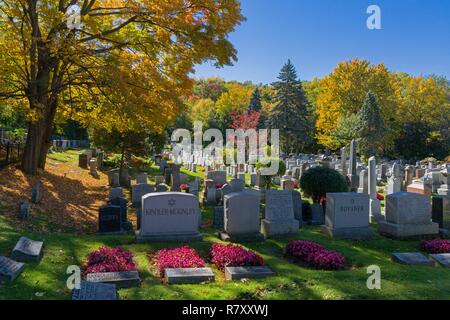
x=219, y=185
x=184, y=186
x=380, y=196
x=435, y=246
x=315, y=255
x=183, y=257
x=234, y=256
x=107, y=259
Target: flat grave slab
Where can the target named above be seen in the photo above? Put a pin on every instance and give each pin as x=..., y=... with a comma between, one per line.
x=442, y=258
x=95, y=291
x=236, y=273
x=188, y=275
x=411, y=258
x=27, y=250
x=123, y=279
x=10, y=269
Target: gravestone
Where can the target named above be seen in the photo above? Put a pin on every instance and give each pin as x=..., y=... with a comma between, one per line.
x=194, y=187
x=169, y=216
x=279, y=216
x=175, y=178
x=237, y=185
x=162, y=187
x=93, y=166
x=250, y=272
x=100, y=158
x=140, y=190
x=211, y=196
x=184, y=178
x=407, y=215
x=241, y=217
x=226, y=189
x=27, y=250
x=116, y=192
x=218, y=217
x=442, y=259
x=441, y=213
x=363, y=182
x=188, y=275
x=347, y=216
x=241, y=176
x=10, y=269
x=24, y=209
x=420, y=187
x=109, y=219
x=287, y=184
x=121, y=279
x=110, y=174
x=95, y=291
x=317, y=214
x=83, y=160
x=115, y=180
x=141, y=178
x=374, y=203
x=352, y=176
x=219, y=176
x=159, y=179
x=411, y=258
x=298, y=205
x=123, y=204
x=252, y=179
x=444, y=189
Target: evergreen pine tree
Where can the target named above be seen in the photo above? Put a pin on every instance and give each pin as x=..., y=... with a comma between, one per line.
x=255, y=101
x=290, y=113
x=370, y=127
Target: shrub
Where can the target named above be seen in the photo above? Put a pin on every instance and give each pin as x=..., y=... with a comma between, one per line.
x=234, y=256
x=317, y=182
x=315, y=255
x=435, y=246
x=108, y=259
x=182, y=257
x=266, y=163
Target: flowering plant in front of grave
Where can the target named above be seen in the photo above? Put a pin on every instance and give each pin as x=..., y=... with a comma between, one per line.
x=219, y=185
x=380, y=196
x=435, y=246
x=182, y=257
x=315, y=255
x=107, y=259
x=234, y=256
x=184, y=186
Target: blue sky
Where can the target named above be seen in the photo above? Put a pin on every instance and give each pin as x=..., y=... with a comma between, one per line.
x=317, y=34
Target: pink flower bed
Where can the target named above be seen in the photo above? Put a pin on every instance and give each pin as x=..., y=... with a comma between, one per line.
x=315, y=255
x=435, y=246
x=233, y=256
x=183, y=257
x=108, y=259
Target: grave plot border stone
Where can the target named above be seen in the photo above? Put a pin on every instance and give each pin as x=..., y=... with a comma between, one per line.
x=188, y=275
x=122, y=279
x=251, y=272
x=95, y=291
x=13, y=273
x=27, y=250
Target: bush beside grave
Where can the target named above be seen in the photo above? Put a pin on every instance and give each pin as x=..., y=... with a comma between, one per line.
x=318, y=181
x=107, y=259
x=234, y=256
x=315, y=255
x=182, y=257
x=435, y=246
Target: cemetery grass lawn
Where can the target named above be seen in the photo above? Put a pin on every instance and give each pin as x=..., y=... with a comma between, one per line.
x=47, y=279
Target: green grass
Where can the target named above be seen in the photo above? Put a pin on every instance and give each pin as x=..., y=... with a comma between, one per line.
x=47, y=278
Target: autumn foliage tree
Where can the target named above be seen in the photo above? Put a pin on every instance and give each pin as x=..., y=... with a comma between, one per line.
x=125, y=65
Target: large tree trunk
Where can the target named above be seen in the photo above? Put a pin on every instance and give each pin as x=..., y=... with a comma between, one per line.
x=33, y=147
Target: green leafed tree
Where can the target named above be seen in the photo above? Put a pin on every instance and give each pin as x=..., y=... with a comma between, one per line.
x=290, y=112
x=370, y=127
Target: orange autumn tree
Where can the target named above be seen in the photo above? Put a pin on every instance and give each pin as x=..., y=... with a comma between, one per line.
x=125, y=66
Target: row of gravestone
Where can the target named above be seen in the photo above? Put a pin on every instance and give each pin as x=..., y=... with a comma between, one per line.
x=24, y=205
x=25, y=250
x=113, y=217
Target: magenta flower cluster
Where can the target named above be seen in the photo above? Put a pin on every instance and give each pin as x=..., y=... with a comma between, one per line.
x=315, y=255
x=435, y=246
x=234, y=256
x=107, y=259
x=182, y=257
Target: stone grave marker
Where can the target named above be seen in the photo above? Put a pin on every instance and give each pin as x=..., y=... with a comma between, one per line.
x=116, y=192
x=122, y=279
x=10, y=269
x=169, y=216
x=95, y=291
x=407, y=215
x=298, y=205
x=347, y=216
x=218, y=217
x=188, y=275
x=141, y=178
x=162, y=187
x=411, y=258
x=24, y=209
x=27, y=250
x=442, y=259
x=279, y=216
x=140, y=190
x=237, y=185
x=109, y=219
x=36, y=193
x=237, y=273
